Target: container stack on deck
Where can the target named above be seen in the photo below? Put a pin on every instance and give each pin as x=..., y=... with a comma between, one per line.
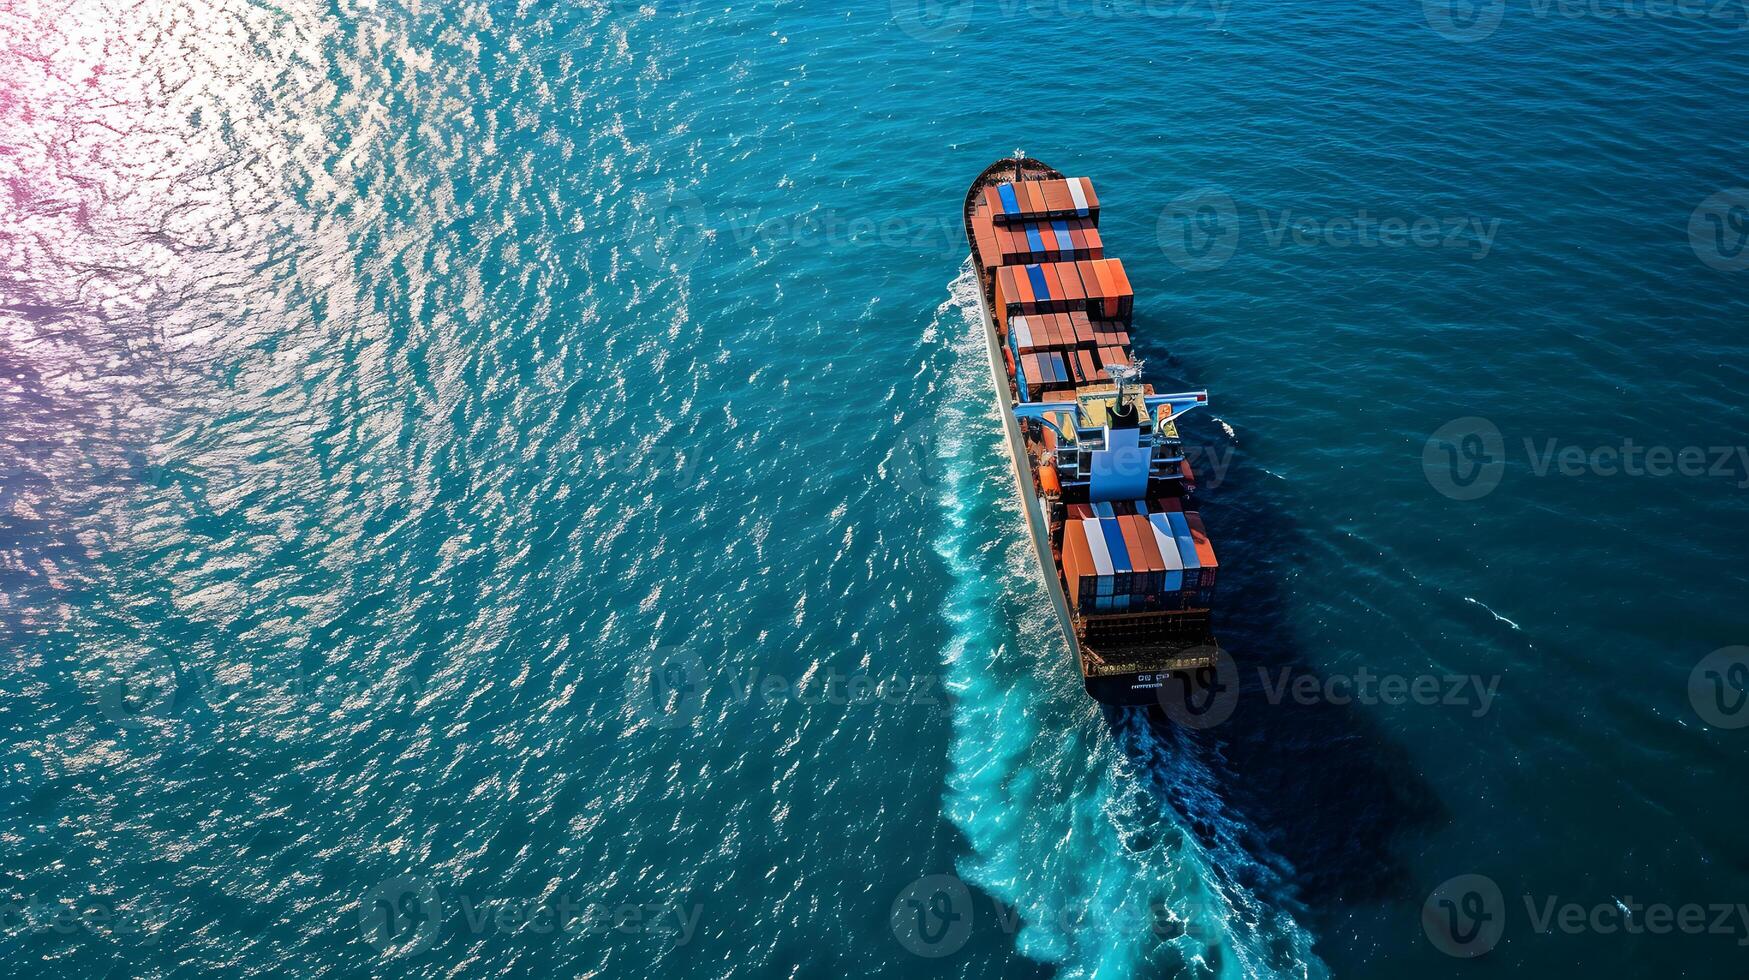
x=1063, y=312
x=1137, y=556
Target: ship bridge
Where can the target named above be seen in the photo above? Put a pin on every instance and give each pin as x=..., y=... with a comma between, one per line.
x=1113, y=443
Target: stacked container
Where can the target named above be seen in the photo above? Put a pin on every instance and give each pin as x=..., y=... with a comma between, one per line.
x=1046, y=331
x=1060, y=240
x=1039, y=373
x=1133, y=557
x=1036, y=200
x=1099, y=288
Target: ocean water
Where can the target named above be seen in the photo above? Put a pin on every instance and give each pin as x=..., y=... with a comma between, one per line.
x=471, y=468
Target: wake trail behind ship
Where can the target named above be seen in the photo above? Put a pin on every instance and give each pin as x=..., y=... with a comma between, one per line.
x=1063, y=810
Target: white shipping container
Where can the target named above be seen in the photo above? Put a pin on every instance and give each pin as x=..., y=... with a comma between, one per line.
x=1168, y=545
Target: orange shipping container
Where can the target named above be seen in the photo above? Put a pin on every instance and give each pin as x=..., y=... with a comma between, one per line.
x=1089, y=278
x=1057, y=197
x=1095, y=244
x=1039, y=206
x=1087, y=368
x=1073, y=289
x=1150, y=547
x=1078, y=568
x=1205, y=549
x=1113, y=357
x=1120, y=278
x=1107, y=285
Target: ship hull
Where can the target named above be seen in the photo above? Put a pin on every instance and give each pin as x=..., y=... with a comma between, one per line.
x=1142, y=658
x=1114, y=689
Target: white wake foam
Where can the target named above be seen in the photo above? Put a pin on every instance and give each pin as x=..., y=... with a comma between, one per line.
x=1060, y=807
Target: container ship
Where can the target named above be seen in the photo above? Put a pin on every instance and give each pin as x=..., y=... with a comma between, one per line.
x=1101, y=470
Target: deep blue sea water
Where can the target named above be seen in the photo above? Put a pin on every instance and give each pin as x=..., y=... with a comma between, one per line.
x=472, y=465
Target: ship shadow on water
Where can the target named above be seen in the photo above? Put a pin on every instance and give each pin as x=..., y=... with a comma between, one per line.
x=1308, y=804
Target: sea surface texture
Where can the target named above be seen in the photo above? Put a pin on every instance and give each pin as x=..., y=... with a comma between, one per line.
x=510, y=489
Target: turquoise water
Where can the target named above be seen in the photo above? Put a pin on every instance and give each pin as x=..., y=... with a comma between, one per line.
x=386, y=389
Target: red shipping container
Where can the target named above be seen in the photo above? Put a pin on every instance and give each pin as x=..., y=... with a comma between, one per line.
x=1205, y=549
x=1086, y=368
x=1155, y=581
x=1074, y=336
x=1074, y=290
x=993, y=199
x=1052, y=281
x=1132, y=543
x=1057, y=197
x=1089, y=279
x=1095, y=244
x=1079, y=573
